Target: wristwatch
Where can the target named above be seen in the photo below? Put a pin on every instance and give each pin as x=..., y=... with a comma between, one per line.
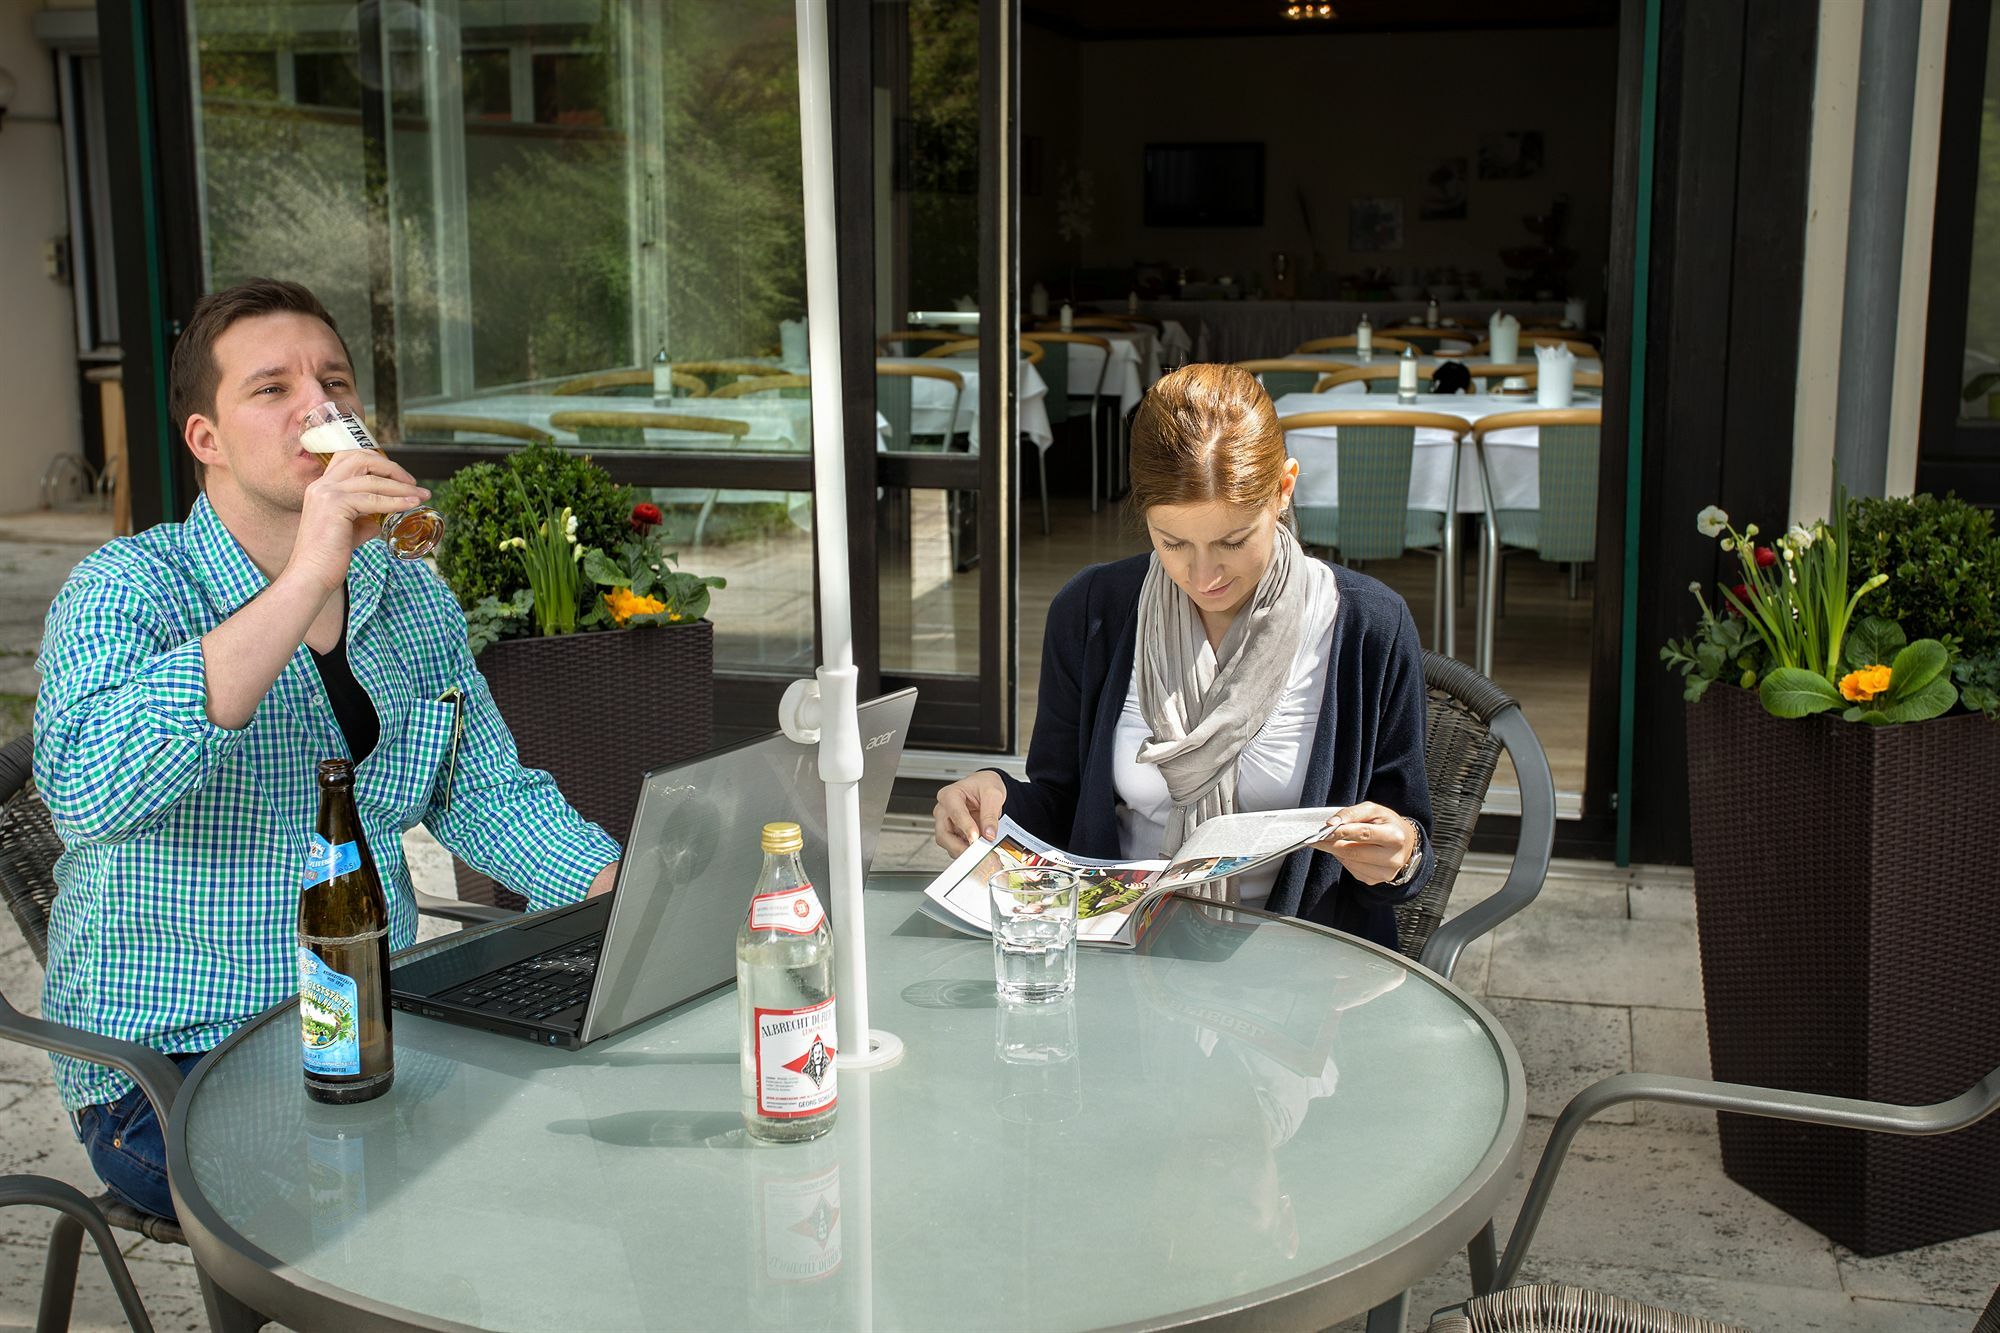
x=1416, y=861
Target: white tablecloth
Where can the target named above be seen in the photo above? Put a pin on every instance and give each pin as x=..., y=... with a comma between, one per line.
x=1135, y=365
x=930, y=400
x=1240, y=330
x=776, y=424
x=1426, y=365
x=1512, y=455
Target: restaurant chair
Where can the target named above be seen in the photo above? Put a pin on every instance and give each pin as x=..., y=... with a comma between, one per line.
x=1497, y=1306
x=895, y=399
x=1346, y=343
x=628, y=429
x=789, y=386
x=1380, y=378
x=1563, y=526
x=619, y=383
x=439, y=423
x=715, y=374
x=1425, y=339
x=1290, y=374
x=1088, y=322
x=1589, y=379
x=1030, y=351
x=1055, y=369
x=1374, y=451
x=29, y=847
x=1531, y=339
x=901, y=342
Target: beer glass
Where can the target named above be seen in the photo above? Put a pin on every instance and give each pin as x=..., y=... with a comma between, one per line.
x=330, y=428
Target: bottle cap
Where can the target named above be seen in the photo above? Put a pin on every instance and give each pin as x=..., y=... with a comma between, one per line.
x=335, y=772
x=783, y=838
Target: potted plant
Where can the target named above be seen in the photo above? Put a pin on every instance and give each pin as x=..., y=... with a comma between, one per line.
x=572, y=599
x=1843, y=772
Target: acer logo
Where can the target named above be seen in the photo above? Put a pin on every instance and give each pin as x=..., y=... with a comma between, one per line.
x=881, y=740
x=676, y=791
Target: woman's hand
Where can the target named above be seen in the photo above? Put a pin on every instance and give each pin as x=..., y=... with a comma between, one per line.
x=968, y=810
x=1372, y=842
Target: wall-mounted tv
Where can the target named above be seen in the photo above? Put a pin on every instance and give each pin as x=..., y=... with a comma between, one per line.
x=1204, y=185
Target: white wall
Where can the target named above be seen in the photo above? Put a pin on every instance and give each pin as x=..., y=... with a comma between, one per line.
x=38, y=370
x=1361, y=114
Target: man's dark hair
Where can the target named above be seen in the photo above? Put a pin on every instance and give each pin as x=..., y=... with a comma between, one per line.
x=195, y=377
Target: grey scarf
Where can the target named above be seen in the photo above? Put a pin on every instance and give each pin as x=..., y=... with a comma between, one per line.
x=1202, y=714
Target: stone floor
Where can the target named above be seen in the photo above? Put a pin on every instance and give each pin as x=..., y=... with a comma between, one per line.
x=1600, y=975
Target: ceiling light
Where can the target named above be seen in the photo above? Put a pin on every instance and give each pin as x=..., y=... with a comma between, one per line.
x=1298, y=10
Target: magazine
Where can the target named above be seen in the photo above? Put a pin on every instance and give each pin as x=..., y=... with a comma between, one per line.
x=1113, y=894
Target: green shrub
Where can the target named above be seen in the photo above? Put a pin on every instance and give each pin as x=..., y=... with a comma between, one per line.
x=481, y=508
x=1943, y=563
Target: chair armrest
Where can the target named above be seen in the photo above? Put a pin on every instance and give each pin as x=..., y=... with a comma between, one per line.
x=1531, y=854
x=1969, y=1107
x=455, y=909
x=157, y=1076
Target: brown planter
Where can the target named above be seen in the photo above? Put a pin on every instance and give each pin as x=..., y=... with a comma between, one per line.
x=598, y=710
x=1850, y=945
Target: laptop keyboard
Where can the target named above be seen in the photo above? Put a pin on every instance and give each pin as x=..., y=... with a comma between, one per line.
x=537, y=988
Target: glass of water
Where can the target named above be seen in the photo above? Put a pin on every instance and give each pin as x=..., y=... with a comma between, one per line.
x=1034, y=932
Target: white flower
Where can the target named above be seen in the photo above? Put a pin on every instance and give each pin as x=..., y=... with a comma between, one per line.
x=1695, y=588
x=1801, y=537
x=569, y=524
x=656, y=569
x=1728, y=544
x=1711, y=521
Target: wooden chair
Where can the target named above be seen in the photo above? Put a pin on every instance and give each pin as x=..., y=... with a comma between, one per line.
x=716, y=374
x=610, y=381
x=1531, y=338
x=1375, y=378
x=1426, y=340
x=763, y=384
x=1374, y=451
x=1563, y=528
x=885, y=345
x=1346, y=341
x=1055, y=372
x=1283, y=375
x=436, y=423
x=1031, y=351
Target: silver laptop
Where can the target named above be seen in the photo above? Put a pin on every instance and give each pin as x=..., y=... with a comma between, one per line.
x=668, y=934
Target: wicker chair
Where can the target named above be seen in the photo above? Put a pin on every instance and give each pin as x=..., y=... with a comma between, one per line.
x=1498, y=1308
x=29, y=847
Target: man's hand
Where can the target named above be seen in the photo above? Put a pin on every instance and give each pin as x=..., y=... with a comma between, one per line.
x=344, y=508
x=1371, y=841
x=968, y=810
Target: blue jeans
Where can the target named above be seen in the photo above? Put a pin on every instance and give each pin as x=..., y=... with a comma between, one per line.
x=128, y=1147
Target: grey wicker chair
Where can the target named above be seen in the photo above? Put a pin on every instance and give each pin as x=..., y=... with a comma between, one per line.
x=1533, y=1309
x=29, y=847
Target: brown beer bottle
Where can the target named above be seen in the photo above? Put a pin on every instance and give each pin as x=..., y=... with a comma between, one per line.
x=343, y=953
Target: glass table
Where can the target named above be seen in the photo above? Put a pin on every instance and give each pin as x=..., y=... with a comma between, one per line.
x=1247, y=1118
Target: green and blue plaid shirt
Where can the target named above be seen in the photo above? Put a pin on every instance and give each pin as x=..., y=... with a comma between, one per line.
x=178, y=893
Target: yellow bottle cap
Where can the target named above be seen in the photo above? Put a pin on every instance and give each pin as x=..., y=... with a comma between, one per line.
x=783, y=838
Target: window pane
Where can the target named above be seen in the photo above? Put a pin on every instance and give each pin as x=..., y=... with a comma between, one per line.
x=1982, y=320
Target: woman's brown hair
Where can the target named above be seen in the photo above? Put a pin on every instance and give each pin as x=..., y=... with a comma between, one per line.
x=1205, y=433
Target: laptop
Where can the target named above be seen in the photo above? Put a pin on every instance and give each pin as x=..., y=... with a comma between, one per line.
x=668, y=933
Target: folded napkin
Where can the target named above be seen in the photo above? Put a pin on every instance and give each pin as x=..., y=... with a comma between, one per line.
x=1504, y=338
x=1557, y=373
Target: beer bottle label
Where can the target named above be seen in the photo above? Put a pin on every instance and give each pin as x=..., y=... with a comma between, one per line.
x=796, y=911
x=328, y=1019
x=324, y=861
x=795, y=1073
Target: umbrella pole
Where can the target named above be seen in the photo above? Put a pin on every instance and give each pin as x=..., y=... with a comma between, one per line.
x=840, y=758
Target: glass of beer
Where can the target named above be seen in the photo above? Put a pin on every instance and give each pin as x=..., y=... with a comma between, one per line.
x=330, y=428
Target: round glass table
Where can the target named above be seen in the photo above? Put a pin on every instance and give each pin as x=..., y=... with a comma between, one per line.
x=1244, y=1119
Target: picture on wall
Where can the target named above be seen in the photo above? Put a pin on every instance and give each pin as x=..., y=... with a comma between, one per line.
x=1513, y=155
x=1375, y=223
x=1444, y=192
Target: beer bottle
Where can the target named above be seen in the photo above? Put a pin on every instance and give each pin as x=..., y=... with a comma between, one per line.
x=343, y=953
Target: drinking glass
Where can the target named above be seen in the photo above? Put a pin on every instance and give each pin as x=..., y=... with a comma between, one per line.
x=411, y=534
x=1034, y=932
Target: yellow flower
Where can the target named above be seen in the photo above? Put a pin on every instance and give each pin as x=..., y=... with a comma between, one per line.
x=623, y=605
x=1859, y=687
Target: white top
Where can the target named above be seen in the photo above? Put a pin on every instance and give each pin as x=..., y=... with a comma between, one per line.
x=1271, y=770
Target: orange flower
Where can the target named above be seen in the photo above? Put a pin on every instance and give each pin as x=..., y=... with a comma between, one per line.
x=1859, y=687
x=624, y=605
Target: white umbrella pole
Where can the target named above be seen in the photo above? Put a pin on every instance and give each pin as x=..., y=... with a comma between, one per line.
x=840, y=759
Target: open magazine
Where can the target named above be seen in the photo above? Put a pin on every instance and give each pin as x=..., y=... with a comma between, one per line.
x=1113, y=894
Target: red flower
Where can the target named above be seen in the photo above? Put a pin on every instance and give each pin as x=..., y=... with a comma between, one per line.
x=1742, y=591
x=646, y=515
x=1766, y=557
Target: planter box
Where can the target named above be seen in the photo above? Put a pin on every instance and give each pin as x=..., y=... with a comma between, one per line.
x=598, y=710
x=1845, y=881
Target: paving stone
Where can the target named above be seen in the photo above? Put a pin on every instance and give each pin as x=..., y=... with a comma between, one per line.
x=1565, y=1048
x=170, y=1292
x=1955, y=1272
x=35, y=1139
x=21, y=980
x=1672, y=1041
x=1470, y=973
x=1551, y=956
x=1662, y=902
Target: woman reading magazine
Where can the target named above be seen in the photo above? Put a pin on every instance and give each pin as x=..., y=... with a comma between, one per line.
x=1225, y=672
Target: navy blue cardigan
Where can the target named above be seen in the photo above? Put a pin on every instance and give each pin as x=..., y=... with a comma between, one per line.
x=1369, y=746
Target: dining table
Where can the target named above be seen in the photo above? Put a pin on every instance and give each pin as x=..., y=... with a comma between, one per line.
x=1245, y=1121
x=777, y=424
x=931, y=400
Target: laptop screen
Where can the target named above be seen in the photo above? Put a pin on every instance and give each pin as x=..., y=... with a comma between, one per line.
x=694, y=853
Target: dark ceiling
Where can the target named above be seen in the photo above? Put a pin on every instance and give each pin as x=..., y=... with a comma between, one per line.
x=1100, y=20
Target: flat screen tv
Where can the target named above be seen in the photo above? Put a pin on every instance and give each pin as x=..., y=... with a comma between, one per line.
x=1204, y=185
